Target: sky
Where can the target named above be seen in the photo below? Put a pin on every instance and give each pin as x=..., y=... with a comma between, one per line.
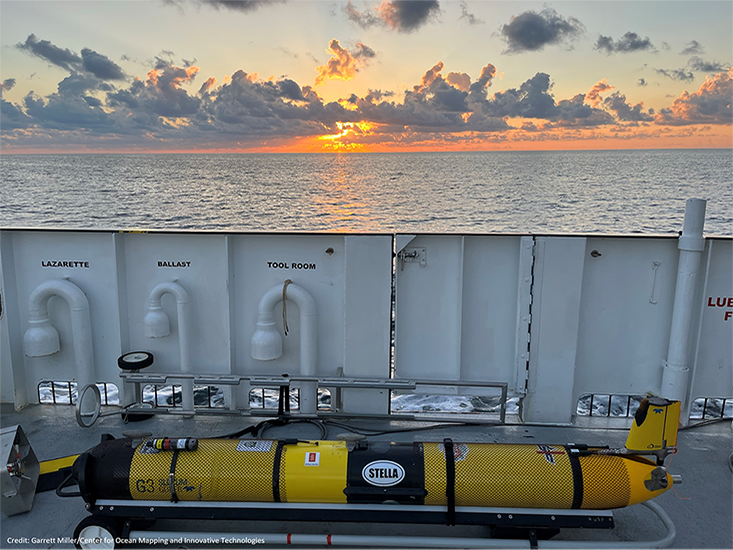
x=216, y=76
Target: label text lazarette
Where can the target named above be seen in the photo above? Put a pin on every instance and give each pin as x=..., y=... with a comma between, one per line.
x=77, y=264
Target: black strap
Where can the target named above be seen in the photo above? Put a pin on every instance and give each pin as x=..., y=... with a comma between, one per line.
x=574, y=457
x=276, y=471
x=172, y=476
x=450, y=480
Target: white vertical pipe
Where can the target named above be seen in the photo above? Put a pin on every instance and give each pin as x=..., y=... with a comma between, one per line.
x=181, y=296
x=81, y=325
x=308, y=335
x=676, y=373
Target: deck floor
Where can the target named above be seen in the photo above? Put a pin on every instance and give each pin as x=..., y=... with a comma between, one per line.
x=701, y=507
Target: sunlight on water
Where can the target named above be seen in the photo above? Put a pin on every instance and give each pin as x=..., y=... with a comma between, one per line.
x=573, y=191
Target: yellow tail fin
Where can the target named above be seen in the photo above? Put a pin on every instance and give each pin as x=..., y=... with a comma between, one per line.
x=655, y=426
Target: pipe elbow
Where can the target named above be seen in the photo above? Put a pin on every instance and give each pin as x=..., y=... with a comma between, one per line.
x=295, y=293
x=38, y=301
x=302, y=299
x=178, y=292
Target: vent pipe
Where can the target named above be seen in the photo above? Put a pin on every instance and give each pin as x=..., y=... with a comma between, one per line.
x=676, y=372
x=42, y=339
x=157, y=325
x=267, y=342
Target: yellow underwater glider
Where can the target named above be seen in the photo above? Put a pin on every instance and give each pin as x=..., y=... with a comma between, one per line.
x=258, y=479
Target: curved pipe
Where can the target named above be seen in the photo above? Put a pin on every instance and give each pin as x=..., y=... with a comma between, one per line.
x=42, y=339
x=157, y=325
x=267, y=343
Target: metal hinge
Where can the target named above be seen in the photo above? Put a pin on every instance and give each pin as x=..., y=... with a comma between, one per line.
x=413, y=255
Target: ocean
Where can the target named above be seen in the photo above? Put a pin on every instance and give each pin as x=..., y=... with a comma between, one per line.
x=635, y=191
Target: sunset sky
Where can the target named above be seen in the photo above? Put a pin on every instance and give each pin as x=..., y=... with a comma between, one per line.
x=395, y=75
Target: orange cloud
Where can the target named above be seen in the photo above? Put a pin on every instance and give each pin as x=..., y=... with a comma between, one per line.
x=710, y=104
x=459, y=80
x=343, y=65
x=429, y=77
x=594, y=94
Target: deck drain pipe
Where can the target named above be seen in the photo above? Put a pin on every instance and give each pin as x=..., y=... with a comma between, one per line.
x=157, y=325
x=676, y=373
x=42, y=338
x=267, y=341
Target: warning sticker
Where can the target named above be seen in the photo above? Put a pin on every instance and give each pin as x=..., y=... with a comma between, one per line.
x=312, y=459
x=254, y=445
x=460, y=451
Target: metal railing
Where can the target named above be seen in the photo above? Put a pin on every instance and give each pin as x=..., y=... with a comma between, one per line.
x=64, y=392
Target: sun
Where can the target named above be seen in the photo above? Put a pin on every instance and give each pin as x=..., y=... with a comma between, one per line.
x=347, y=139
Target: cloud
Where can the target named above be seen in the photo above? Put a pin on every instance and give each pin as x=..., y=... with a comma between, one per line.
x=343, y=65
x=698, y=64
x=531, y=100
x=238, y=5
x=710, y=104
x=467, y=16
x=460, y=81
x=484, y=81
x=7, y=85
x=408, y=15
x=594, y=94
x=532, y=31
x=364, y=19
x=43, y=49
x=168, y=109
x=90, y=61
x=624, y=111
x=12, y=116
x=629, y=42
x=677, y=74
x=641, y=82
x=400, y=15
x=692, y=48
x=101, y=66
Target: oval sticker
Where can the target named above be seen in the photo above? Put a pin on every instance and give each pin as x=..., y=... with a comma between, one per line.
x=383, y=473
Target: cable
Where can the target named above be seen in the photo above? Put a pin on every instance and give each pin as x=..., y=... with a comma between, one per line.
x=372, y=431
x=707, y=422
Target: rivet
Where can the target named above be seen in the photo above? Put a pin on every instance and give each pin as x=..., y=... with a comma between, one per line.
x=152, y=509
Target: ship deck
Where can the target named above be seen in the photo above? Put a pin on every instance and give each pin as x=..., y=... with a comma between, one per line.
x=701, y=507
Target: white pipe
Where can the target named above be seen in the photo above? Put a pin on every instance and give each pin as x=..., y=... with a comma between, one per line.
x=155, y=308
x=308, y=335
x=81, y=326
x=676, y=373
x=385, y=541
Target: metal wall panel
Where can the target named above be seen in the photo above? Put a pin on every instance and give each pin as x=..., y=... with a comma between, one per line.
x=198, y=263
x=490, y=273
x=428, y=309
x=264, y=261
x=554, y=317
x=626, y=307
x=558, y=276
x=367, y=326
x=40, y=256
x=11, y=352
x=712, y=367
x=457, y=306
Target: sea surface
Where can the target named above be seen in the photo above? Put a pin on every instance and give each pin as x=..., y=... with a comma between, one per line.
x=637, y=191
